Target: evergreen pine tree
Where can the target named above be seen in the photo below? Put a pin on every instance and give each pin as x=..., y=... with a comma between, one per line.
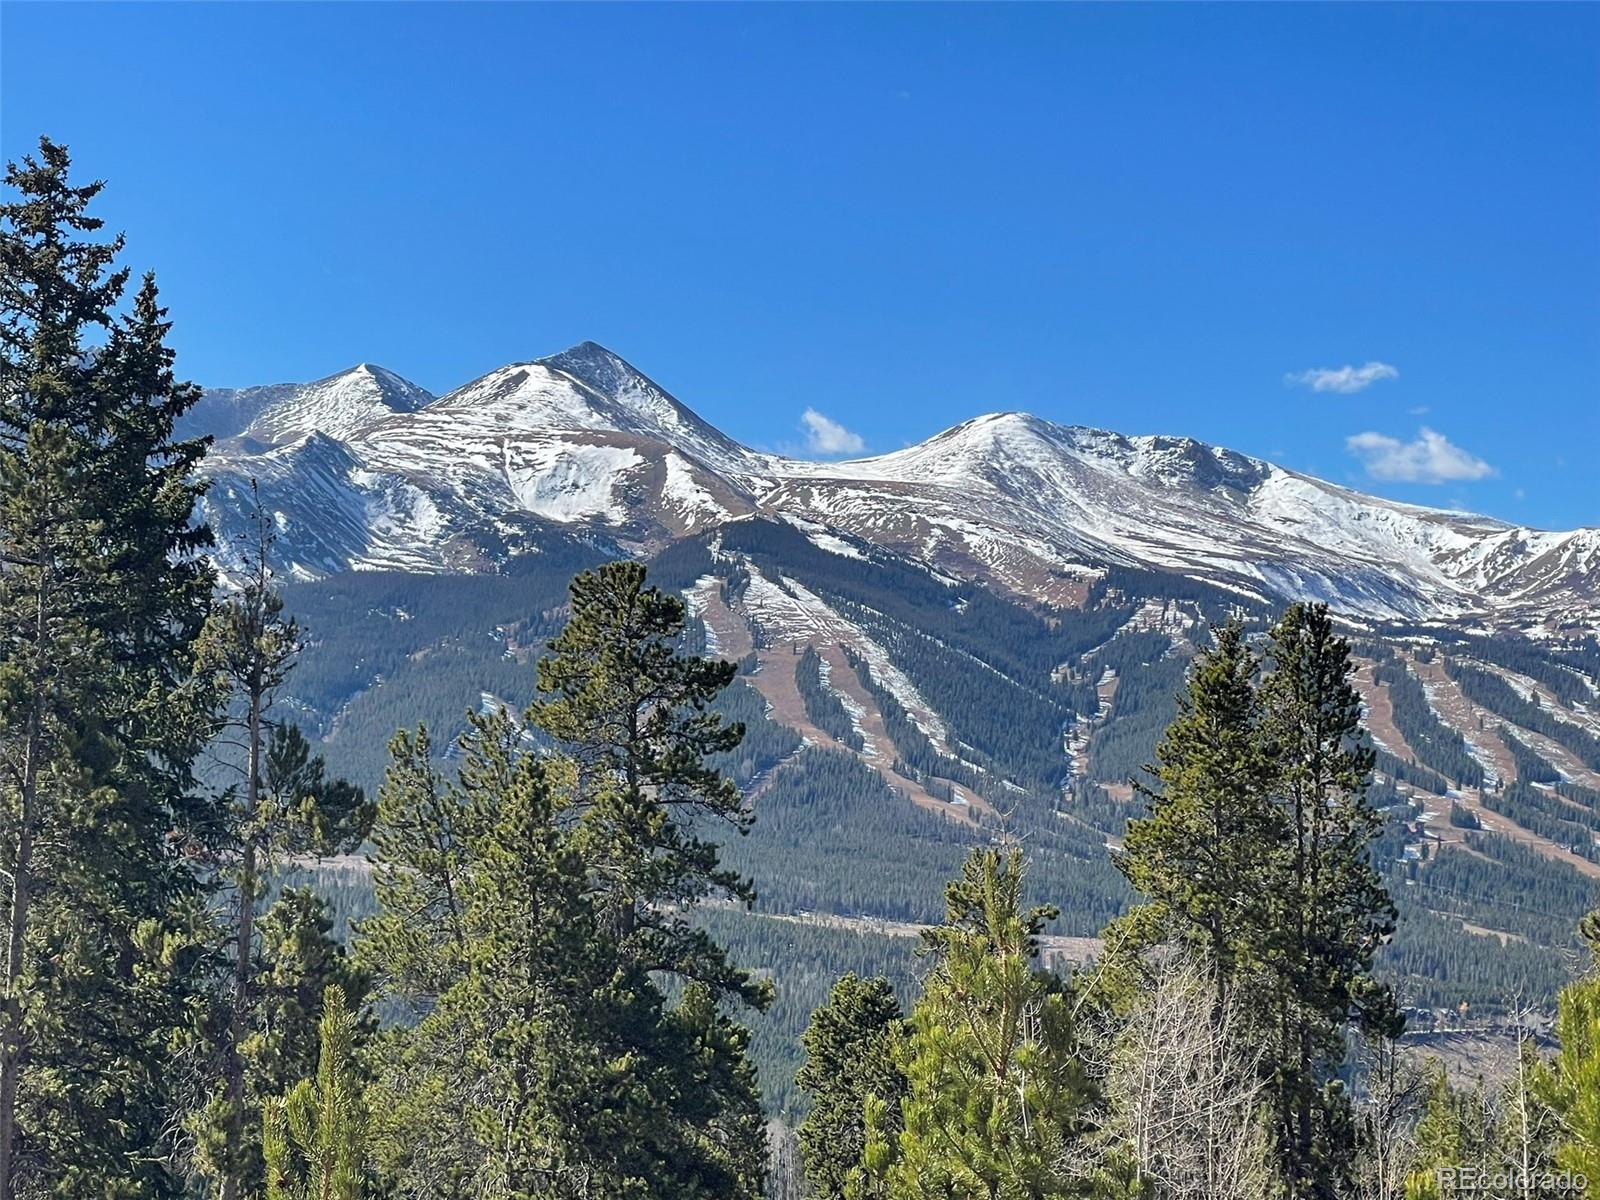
x=723, y=1120
x=301, y=958
x=1204, y=854
x=542, y=1065
x=416, y=946
x=480, y=1098
x=635, y=716
x=314, y=1138
x=851, y=1046
x=1456, y=1129
x=996, y=1095
x=525, y=908
x=1256, y=856
x=1570, y=1082
x=423, y=844
x=101, y=594
x=1334, y=912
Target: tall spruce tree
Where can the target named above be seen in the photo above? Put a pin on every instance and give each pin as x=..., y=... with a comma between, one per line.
x=102, y=592
x=484, y=930
x=1455, y=1130
x=1334, y=912
x=1256, y=855
x=542, y=1063
x=526, y=907
x=422, y=858
x=426, y=839
x=997, y=1096
x=635, y=716
x=301, y=959
x=851, y=1054
x=1204, y=854
x=285, y=806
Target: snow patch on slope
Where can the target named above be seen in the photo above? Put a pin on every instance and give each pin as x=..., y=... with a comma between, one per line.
x=683, y=495
x=564, y=481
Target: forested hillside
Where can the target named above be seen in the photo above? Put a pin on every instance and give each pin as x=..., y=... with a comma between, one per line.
x=867, y=796
x=965, y=712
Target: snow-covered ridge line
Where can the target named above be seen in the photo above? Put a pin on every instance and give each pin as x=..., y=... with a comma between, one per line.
x=583, y=438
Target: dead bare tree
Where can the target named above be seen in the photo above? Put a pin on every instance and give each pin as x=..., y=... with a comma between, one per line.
x=1530, y=1127
x=1394, y=1089
x=1184, y=1096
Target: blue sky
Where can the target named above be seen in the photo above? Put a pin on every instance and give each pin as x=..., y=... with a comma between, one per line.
x=1154, y=218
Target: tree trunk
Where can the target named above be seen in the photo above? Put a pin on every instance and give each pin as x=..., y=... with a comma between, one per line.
x=11, y=1043
x=245, y=939
x=21, y=892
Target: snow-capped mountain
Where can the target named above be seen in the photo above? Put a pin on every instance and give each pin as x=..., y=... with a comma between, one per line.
x=1027, y=501
x=366, y=471
x=397, y=480
x=339, y=406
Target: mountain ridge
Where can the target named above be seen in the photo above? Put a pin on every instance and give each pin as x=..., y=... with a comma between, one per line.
x=583, y=438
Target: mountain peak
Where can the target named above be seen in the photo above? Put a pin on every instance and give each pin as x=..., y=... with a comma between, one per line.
x=398, y=392
x=338, y=405
x=588, y=387
x=600, y=368
x=586, y=349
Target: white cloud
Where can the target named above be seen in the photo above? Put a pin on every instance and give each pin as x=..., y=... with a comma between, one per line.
x=1345, y=380
x=824, y=435
x=1429, y=458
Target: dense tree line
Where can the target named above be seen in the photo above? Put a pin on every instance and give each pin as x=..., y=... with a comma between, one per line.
x=824, y=709
x=766, y=743
x=1401, y=771
x=1532, y=767
x=1436, y=745
x=918, y=757
x=1149, y=676
x=1583, y=797
x=1544, y=813
x=370, y=623
x=1499, y=697
x=1559, y=667
x=1432, y=962
x=1550, y=896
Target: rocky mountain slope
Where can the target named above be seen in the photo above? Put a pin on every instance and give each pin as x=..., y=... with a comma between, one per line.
x=367, y=471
